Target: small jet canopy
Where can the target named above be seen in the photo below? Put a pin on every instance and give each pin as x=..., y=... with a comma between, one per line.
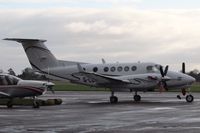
x=9, y=80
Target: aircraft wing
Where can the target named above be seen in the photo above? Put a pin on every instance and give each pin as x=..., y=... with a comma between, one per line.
x=3, y=94
x=102, y=79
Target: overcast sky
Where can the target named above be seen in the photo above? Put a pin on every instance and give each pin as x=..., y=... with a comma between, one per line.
x=160, y=31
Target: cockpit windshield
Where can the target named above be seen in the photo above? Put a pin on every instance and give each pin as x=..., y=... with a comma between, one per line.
x=152, y=69
x=8, y=80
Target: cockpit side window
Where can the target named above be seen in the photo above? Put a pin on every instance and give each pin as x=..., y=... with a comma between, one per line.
x=158, y=66
x=149, y=68
x=3, y=80
x=9, y=80
x=15, y=80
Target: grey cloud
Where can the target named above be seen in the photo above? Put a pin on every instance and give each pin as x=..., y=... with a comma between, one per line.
x=116, y=35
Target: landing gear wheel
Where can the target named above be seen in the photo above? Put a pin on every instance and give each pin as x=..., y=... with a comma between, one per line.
x=36, y=105
x=189, y=98
x=137, y=98
x=178, y=96
x=9, y=104
x=113, y=99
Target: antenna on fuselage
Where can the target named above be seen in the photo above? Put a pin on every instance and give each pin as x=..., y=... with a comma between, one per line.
x=103, y=61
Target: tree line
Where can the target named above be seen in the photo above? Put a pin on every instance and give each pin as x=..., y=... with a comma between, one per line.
x=28, y=74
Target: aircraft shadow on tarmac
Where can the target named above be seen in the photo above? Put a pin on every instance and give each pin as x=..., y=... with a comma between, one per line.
x=141, y=103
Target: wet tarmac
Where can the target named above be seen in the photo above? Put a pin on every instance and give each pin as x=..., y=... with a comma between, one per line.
x=87, y=112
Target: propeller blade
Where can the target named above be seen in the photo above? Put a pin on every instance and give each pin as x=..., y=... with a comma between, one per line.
x=162, y=84
x=161, y=71
x=166, y=70
x=183, y=67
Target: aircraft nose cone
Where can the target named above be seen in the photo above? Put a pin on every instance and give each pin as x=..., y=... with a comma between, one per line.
x=191, y=80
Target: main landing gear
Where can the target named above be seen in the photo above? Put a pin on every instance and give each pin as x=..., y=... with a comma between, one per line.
x=35, y=103
x=10, y=103
x=137, y=97
x=189, y=98
x=113, y=99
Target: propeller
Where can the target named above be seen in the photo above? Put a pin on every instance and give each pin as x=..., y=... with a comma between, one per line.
x=183, y=67
x=162, y=84
x=183, y=71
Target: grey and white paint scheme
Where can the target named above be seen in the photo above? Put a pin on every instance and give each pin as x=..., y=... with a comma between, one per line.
x=132, y=77
x=13, y=87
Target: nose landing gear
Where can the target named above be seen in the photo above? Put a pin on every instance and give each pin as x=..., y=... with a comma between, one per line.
x=35, y=103
x=137, y=97
x=189, y=98
x=113, y=99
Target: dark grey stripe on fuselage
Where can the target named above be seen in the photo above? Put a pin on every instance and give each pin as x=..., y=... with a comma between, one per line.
x=21, y=91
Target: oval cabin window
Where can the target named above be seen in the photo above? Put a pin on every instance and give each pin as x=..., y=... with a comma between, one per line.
x=149, y=68
x=95, y=69
x=133, y=68
x=119, y=69
x=126, y=68
x=106, y=69
x=112, y=69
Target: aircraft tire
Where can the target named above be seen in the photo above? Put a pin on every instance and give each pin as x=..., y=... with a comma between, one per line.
x=137, y=98
x=113, y=99
x=189, y=98
x=36, y=105
x=9, y=104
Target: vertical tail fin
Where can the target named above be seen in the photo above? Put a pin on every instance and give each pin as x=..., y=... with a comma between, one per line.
x=39, y=56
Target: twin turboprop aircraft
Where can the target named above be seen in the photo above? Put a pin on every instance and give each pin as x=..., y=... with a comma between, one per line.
x=132, y=77
x=12, y=87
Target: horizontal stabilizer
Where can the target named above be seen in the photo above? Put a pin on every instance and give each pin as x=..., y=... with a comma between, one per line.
x=21, y=40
